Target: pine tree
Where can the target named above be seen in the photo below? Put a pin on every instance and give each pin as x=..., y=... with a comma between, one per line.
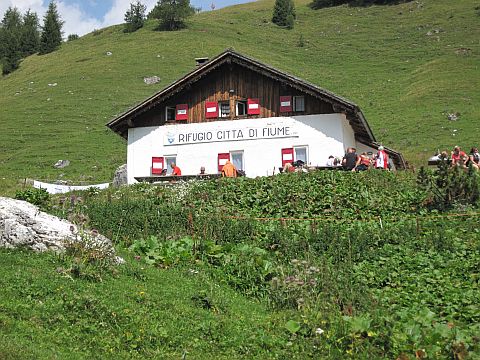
x=10, y=40
x=30, y=35
x=51, y=37
x=172, y=13
x=135, y=17
x=284, y=13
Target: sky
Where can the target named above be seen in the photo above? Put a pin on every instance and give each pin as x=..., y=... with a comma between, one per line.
x=83, y=16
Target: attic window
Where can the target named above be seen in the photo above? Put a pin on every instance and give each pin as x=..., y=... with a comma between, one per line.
x=170, y=113
x=298, y=103
x=200, y=61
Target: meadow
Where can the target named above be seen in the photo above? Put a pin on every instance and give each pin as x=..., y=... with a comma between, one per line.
x=407, y=66
x=224, y=269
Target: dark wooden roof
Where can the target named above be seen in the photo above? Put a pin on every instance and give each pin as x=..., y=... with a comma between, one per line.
x=362, y=130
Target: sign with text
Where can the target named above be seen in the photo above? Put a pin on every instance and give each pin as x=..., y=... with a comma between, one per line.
x=234, y=134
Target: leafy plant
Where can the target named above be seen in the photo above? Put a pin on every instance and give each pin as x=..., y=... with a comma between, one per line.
x=34, y=196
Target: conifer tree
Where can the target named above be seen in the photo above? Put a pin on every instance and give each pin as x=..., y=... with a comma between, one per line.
x=30, y=35
x=284, y=13
x=135, y=17
x=10, y=30
x=51, y=37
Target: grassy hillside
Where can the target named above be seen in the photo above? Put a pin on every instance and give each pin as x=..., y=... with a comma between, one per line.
x=379, y=57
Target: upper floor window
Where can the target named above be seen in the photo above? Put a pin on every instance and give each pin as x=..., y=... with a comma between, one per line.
x=170, y=113
x=240, y=108
x=298, y=103
x=224, y=107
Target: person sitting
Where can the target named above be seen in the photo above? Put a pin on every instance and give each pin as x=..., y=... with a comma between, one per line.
x=288, y=168
x=175, y=170
x=457, y=155
x=350, y=160
x=330, y=161
x=202, y=170
x=229, y=170
x=474, y=158
x=381, y=160
x=364, y=163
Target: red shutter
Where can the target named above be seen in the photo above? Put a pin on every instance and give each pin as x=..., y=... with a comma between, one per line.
x=287, y=156
x=253, y=107
x=157, y=165
x=285, y=104
x=222, y=159
x=211, y=109
x=181, y=112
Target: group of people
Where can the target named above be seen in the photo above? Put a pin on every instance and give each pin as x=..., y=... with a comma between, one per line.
x=353, y=162
x=459, y=158
x=228, y=170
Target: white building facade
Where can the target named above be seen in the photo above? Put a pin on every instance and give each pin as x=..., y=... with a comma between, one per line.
x=254, y=116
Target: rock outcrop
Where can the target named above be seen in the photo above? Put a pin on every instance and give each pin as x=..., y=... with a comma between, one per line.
x=24, y=225
x=120, y=177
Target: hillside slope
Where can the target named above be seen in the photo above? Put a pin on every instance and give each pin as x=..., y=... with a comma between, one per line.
x=406, y=66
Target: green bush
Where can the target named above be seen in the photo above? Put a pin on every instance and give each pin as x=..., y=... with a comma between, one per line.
x=39, y=197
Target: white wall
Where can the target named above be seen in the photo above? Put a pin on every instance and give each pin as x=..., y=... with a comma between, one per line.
x=324, y=134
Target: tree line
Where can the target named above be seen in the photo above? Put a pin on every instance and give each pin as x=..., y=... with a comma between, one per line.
x=21, y=35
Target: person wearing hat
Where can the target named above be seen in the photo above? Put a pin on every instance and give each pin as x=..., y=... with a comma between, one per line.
x=381, y=160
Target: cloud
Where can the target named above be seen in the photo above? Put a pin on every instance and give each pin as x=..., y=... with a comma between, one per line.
x=116, y=14
x=75, y=20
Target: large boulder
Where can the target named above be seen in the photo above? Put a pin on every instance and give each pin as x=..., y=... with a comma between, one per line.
x=120, y=177
x=24, y=225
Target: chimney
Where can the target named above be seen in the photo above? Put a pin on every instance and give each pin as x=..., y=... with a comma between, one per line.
x=200, y=61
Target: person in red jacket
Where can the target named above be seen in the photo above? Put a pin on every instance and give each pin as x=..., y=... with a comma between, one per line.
x=381, y=160
x=175, y=170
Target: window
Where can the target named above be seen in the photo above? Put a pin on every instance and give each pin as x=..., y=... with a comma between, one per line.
x=237, y=159
x=170, y=113
x=168, y=161
x=241, y=108
x=301, y=154
x=224, y=109
x=298, y=103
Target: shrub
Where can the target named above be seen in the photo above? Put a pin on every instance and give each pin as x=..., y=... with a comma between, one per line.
x=284, y=13
x=39, y=197
x=134, y=17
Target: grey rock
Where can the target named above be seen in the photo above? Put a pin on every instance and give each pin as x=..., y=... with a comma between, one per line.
x=24, y=225
x=60, y=164
x=120, y=177
x=151, y=80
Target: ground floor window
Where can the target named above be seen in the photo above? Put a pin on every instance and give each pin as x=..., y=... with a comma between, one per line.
x=237, y=159
x=301, y=153
x=170, y=159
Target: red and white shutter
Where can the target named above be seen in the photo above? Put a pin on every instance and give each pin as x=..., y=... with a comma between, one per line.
x=157, y=165
x=181, y=112
x=222, y=159
x=253, y=107
x=211, y=109
x=285, y=104
x=287, y=156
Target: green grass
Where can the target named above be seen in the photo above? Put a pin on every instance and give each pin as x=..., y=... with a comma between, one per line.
x=378, y=57
x=140, y=312
x=376, y=275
